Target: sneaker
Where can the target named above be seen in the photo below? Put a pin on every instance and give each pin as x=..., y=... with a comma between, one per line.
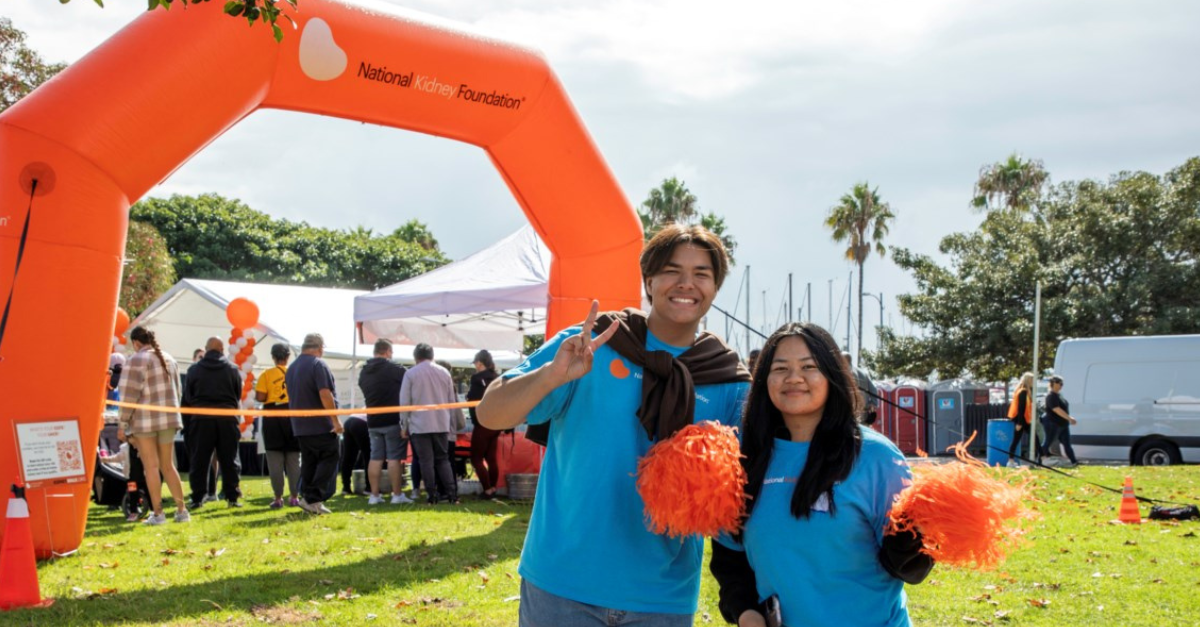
x=209, y=498
x=236, y=504
x=400, y=499
x=314, y=508
x=155, y=519
x=376, y=499
x=183, y=516
x=132, y=517
x=276, y=504
x=1012, y=463
x=294, y=501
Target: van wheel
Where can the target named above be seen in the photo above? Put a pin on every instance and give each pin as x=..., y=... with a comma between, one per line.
x=1156, y=453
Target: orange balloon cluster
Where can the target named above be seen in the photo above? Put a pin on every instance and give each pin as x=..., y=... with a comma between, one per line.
x=968, y=516
x=693, y=482
x=242, y=313
x=119, y=329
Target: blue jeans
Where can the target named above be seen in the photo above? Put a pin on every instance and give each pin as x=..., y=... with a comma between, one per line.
x=542, y=609
x=1063, y=433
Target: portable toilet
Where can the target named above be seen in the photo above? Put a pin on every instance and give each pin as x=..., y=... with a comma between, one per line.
x=883, y=421
x=949, y=407
x=907, y=416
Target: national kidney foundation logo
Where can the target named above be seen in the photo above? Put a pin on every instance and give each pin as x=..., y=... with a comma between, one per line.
x=321, y=59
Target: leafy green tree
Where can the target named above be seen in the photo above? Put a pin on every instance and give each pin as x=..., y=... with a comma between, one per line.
x=860, y=219
x=1012, y=184
x=265, y=11
x=217, y=238
x=672, y=202
x=21, y=69
x=1115, y=258
x=149, y=270
x=418, y=233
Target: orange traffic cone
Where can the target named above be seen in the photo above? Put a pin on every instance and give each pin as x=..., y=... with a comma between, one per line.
x=1129, y=505
x=18, y=566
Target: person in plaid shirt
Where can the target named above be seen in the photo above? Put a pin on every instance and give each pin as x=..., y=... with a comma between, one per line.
x=151, y=377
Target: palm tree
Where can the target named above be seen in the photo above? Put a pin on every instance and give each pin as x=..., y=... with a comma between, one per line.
x=860, y=215
x=1013, y=183
x=669, y=203
x=672, y=202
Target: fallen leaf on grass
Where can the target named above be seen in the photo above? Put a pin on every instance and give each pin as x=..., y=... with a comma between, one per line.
x=492, y=556
x=484, y=576
x=1039, y=602
x=166, y=561
x=1048, y=586
x=112, y=565
x=169, y=551
x=216, y=552
x=325, y=582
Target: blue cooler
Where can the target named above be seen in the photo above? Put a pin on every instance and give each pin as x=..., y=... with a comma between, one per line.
x=999, y=439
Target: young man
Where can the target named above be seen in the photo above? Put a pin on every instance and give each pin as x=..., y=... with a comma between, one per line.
x=588, y=557
x=380, y=383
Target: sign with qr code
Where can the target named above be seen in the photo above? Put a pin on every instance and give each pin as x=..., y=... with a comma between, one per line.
x=51, y=452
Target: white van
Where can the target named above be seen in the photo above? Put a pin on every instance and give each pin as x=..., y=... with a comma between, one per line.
x=1137, y=399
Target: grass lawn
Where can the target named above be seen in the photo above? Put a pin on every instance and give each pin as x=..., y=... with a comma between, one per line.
x=456, y=565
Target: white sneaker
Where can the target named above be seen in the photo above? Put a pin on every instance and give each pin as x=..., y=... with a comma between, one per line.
x=400, y=499
x=375, y=499
x=155, y=519
x=1012, y=463
x=182, y=516
x=314, y=508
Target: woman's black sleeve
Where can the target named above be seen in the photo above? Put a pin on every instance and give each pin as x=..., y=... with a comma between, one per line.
x=738, y=590
x=902, y=558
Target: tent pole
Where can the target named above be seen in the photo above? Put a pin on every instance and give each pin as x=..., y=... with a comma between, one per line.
x=354, y=368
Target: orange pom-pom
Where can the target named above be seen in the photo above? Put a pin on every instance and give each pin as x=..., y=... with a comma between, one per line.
x=693, y=483
x=967, y=515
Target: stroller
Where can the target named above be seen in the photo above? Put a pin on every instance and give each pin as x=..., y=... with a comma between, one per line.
x=114, y=490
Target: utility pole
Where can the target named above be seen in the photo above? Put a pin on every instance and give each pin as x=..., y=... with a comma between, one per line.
x=1037, y=323
x=831, y=329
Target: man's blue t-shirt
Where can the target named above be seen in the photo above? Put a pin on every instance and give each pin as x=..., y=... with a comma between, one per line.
x=305, y=379
x=588, y=540
x=825, y=568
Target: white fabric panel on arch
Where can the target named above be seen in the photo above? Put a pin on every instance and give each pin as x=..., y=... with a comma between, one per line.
x=491, y=299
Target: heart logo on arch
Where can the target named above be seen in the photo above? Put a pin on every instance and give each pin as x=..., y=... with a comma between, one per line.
x=321, y=59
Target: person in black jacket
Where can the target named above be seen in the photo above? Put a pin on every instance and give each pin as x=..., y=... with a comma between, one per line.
x=214, y=382
x=483, y=440
x=380, y=384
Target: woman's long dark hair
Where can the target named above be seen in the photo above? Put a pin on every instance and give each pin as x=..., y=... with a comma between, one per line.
x=485, y=358
x=146, y=336
x=836, y=443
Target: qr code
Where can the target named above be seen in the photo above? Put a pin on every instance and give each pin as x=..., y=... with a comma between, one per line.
x=69, y=456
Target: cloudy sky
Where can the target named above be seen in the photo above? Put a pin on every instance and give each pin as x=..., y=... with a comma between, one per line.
x=769, y=112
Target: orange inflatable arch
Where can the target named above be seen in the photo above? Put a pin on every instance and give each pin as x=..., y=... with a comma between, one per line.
x=78, y=151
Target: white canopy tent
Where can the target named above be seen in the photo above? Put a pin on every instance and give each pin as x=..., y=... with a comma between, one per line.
x=194, y=309
x=491, y=300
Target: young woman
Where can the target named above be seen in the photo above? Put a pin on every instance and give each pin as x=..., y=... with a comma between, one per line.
x=812, y=549
x=483, y=440
x=1058, y=421
x=1021, y=413
x=283, y=450
x=151, y=377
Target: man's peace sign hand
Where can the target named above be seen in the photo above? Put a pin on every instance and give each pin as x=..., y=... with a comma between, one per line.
x=574, y=356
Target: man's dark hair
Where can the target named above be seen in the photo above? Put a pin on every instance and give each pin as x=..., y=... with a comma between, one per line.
x=280, y=351
x=382, y=345
x=656, y=254
x=422, y=352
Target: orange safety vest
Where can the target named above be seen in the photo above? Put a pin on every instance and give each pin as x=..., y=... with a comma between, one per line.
x=1012, y=408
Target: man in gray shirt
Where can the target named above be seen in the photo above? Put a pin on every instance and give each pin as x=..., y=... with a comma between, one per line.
x=427, y=383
